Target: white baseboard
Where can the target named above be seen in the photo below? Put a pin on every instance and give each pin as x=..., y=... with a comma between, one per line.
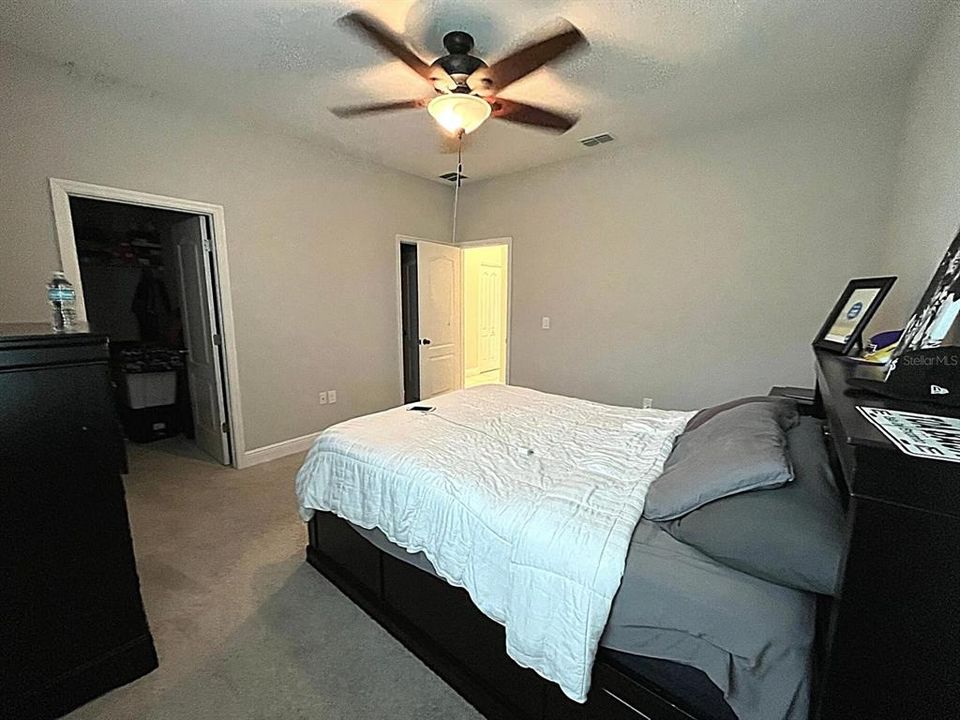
x=277, y=450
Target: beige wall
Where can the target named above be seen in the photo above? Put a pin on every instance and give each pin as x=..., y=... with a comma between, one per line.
x=690, y=270
x=696, y=269
x=925, y=209
x=310, y=233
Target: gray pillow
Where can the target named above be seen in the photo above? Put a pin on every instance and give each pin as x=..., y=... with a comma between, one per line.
x=793, y=536
x=739, y=449
x=786, y=410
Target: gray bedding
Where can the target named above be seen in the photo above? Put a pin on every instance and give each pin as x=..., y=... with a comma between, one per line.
x=752, y=638
x=739, y=450
x=794, y=535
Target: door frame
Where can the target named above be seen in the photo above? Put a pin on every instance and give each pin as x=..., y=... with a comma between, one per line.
x=413, y=240
x=62, y=190
x=508, y=241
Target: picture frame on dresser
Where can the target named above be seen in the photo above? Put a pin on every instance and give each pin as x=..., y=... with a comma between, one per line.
x=843, y=328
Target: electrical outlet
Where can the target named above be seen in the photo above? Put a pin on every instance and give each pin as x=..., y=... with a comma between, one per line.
x=545, y=323
x=322, y=397
x=648, y=402
x=331, y=396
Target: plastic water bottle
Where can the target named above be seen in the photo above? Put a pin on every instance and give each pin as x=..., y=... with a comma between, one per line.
x=62, y=299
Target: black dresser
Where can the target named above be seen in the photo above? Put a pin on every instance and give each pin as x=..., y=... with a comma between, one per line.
x=72, y=624
x=893, y=646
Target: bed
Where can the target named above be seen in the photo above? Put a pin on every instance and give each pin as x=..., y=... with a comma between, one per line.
x=684, y=636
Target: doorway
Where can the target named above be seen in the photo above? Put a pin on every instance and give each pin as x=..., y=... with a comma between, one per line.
x=486, y=290
x=145, y=277
x=410, y=323
x=453, y=315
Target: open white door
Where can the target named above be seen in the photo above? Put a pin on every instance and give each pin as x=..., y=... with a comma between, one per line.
x=438, y=281
x=490, y=321
x=198, y=312
x=486, y=305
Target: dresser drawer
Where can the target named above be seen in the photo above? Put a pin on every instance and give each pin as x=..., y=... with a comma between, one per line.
x=70, y=616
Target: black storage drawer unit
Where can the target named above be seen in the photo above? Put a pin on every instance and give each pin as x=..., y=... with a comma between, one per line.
x=893, y=642
x=73, y=622
x=459, y=629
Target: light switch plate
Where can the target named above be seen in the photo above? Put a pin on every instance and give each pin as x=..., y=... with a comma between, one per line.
x=331, y=396
x=322, y=397
x=545, y=323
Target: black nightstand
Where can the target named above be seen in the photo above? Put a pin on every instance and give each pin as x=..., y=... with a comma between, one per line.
x=803, y=396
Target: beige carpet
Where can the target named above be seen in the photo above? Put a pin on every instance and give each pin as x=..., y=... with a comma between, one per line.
x=243, y=626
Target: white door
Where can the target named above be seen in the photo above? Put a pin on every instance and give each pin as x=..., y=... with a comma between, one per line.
x=438, y=290
x=198, y=311
x=489, y=325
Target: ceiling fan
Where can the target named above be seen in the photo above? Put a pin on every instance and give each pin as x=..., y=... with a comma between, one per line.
x=467, y=89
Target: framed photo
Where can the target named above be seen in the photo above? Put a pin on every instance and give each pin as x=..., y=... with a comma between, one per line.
x=857, y=304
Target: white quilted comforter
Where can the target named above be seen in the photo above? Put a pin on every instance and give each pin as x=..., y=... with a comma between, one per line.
x=527, y=500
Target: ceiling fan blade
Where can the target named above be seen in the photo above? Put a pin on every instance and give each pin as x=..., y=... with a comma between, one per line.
x=527, y=59
x=385, y=39
x=347, y=111
x=532, y=115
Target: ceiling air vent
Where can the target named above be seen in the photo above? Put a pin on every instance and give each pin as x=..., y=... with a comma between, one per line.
x=596, y=139
x=452, y=177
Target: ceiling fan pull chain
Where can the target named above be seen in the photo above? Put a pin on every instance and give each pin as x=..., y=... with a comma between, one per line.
x=456, y=189
x=459, y=157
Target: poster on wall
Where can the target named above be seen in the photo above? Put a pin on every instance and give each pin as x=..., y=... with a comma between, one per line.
x=934, y=322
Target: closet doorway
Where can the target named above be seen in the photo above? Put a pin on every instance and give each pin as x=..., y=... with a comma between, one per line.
x=453, y=315
x=146, y=276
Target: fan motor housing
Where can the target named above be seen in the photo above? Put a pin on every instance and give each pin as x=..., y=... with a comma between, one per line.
x=458, y=61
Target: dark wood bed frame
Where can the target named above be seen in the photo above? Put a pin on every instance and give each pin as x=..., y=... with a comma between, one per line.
x=869, y=663
x=441, y=626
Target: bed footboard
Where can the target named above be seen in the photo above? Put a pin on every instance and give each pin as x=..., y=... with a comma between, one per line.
x=440, y=625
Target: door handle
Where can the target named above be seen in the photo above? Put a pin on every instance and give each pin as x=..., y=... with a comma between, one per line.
x=425, y=341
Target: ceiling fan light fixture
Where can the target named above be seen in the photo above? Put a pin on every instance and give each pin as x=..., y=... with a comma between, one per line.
x=459, y=111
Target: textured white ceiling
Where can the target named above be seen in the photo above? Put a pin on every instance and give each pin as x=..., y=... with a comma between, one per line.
x=654, y=66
